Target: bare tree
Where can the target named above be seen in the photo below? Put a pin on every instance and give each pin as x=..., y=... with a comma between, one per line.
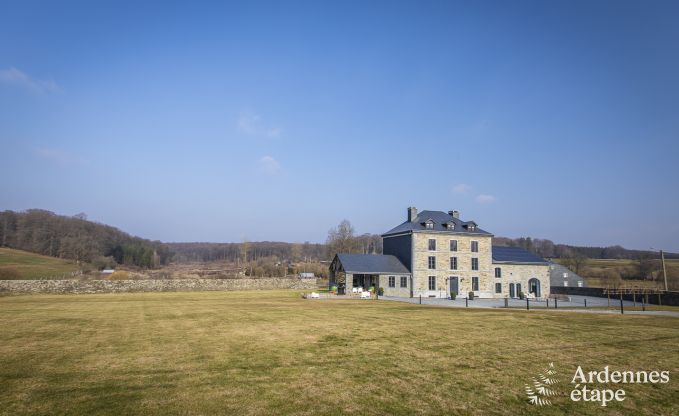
x=341, y=239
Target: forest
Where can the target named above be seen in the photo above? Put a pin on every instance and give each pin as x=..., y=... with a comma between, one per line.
x=76, y=238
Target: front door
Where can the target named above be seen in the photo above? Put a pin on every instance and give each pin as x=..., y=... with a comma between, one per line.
x=454, y=285
x=512, y=293
x=518, y=289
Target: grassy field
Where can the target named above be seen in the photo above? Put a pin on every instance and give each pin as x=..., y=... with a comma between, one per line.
x=18, y=264
x=595, y=268
x=273, y=353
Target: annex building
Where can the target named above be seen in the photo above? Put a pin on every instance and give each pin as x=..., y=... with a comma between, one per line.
x=434, y=253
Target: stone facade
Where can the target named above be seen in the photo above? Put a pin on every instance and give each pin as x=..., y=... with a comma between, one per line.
x=521, y=274
x=443, y=272
x=173, y=285
x=397, y=290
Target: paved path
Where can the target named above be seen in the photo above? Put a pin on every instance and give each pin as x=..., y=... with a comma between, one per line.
x=576, y=304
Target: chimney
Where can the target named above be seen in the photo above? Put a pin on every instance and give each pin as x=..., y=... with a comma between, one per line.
x=412, y=214
x=455, y=214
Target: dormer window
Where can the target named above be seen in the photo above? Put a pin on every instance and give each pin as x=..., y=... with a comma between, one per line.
x=450, y=225
x=472, y=227
x=429, y=224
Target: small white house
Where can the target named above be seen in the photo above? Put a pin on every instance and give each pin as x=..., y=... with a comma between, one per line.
x=307, y=275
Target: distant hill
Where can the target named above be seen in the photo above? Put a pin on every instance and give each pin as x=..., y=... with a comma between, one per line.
x=19, y=264
x=549, y=249
x=75, y=238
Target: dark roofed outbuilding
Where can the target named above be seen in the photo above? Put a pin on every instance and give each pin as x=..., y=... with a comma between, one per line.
x=502, y=254
x=369, y=264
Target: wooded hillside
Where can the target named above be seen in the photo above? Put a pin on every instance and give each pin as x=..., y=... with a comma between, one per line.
x=75, y=238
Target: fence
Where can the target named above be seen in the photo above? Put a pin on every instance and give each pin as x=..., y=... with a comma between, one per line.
x=655, y=297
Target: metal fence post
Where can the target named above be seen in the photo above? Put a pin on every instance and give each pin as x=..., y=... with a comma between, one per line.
x=585, y=302
x=466, y=302
x=556, y=303
x=547, y=303
x=420, y=299
x=622, y=310
x=506, y=303
x=527, y=305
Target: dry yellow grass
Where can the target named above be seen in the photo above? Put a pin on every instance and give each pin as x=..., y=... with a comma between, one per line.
x=273, y=353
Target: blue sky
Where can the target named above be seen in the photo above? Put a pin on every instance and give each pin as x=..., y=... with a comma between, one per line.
x=276, y=120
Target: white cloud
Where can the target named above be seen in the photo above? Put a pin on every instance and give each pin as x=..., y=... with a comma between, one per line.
x=461, y=188
x=251, y=124
x=57, y=156
x=15, y=77
x=485, y=199
x=268, y=165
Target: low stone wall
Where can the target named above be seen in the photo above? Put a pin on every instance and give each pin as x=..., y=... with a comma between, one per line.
x=174, y=285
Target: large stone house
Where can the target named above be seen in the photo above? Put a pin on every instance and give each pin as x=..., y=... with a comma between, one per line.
x=434, y=253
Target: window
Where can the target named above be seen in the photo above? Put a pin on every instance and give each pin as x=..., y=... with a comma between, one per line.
x=565, y=283
x=432, y=282
x=392, y=281
x=453, y=245
x=475, y=283
x=429, y=225
x=432, y=262
x=475, y=263
x=475, y=246
x=498, y=272
x=472, y=227
x=432, y=244
x=451, y=226
x=404, y=281
x=453, y=263
x=498, y=287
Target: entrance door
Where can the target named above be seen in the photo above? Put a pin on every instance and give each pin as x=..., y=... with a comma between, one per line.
x=512, y=293
x=518, y=289
x=534, y=287
x=454, y=287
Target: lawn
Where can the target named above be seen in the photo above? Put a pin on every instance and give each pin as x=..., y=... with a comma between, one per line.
x=270, y=352
x=19, y=264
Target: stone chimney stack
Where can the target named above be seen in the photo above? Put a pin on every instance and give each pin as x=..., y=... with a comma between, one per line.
x=412, y=214
x=455, y=214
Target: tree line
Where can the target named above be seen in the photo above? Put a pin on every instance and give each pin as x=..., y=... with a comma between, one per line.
x=549, y=249
x=75, y=238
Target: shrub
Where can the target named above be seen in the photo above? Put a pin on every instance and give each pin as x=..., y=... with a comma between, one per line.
x=380, y=291
x=120, y=275
x=522, y=295
x=102, y=262
x=334, y=289
x=471, y=295
x=453, y=295
x=371, y=289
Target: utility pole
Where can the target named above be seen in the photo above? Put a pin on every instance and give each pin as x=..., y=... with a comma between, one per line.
x=664, y=270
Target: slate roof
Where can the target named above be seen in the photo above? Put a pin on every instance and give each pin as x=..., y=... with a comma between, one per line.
x=502, y=254
x=439, y=218
x=371, y=264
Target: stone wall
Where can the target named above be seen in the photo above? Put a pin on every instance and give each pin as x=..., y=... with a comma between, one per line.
x=174, y=285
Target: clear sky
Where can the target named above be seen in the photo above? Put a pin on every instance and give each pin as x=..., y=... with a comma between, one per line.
x=276, y=120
